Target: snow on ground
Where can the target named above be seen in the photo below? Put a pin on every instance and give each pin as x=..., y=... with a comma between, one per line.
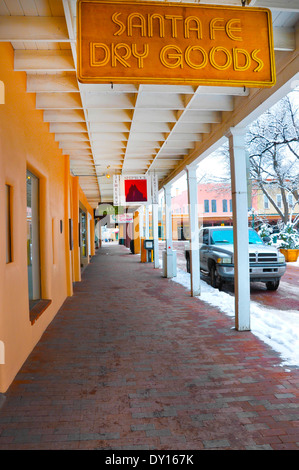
x=277, y=328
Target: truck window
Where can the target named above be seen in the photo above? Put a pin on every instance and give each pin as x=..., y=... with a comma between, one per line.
x=205, y=237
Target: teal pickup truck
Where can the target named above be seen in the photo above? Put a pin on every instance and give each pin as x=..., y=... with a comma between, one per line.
x=216, y=248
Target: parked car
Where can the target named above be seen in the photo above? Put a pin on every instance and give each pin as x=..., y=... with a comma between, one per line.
x=216, y=248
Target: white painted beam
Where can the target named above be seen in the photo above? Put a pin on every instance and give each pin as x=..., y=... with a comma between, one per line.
x=74, y=146
x=64, y=116
x=212, y=103
x=108, y=127
x=110, y=115
x=58, y=101
x=147, y=136
x=72, y=137
x=52, y=83
x=67, y=127
x=222, y=90
x=43, y=61
x=109, y=101
x=284, y=39
x=194, y=116
x=190, y=127
x=33, y=28
x=284, y=5
x=155, y=115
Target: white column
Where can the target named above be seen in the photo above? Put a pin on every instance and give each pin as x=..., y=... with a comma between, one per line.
x=194, y=232
x=155, y=208
x=146, y=222
x=141, y=223
x=100, y=233
x=155, y=218
x=169, y=255
x=168, y=218
x=89, y=234
x=240, y=224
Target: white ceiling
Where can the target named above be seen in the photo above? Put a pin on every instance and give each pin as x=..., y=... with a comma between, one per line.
x=124, y=129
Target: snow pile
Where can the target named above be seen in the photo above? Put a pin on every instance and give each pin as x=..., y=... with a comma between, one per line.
x=277, y=328
x=288, y=237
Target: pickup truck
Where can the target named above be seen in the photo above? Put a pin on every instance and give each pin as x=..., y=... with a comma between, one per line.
x=216, y=248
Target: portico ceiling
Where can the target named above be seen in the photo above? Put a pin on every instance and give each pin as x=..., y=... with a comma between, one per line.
x=129, y=129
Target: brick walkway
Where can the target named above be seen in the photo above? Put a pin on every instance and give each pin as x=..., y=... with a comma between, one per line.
x=131, y=361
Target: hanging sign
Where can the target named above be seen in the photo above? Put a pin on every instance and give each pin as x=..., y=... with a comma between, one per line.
x=132, y=190
x=174, y=43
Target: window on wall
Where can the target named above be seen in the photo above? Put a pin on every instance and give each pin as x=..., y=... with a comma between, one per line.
x=290, y=200
x=230, y=205
x=214, y=205
x=8, y=223
x=266, y=202
x=83, y=234
x=224, y=205
x=33, y=241
x=206, y=205
x=279, y=201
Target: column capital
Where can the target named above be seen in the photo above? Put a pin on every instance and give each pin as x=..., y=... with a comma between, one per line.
x=191, y=171
x=236, y=131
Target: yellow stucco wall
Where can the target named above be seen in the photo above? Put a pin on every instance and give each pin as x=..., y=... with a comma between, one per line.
x=25, y=143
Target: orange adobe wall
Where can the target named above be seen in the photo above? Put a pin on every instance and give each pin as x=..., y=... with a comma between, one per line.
x=25, y=143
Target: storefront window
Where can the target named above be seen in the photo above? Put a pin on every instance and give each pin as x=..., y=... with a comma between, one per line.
x=83, y=233
x=33, y=258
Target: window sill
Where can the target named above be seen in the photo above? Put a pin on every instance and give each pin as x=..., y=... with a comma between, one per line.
x=37, y=308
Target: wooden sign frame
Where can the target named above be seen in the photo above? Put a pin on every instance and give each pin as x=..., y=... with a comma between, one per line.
x=174, y=43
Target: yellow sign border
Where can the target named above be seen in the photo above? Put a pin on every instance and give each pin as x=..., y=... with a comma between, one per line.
x=177, y=81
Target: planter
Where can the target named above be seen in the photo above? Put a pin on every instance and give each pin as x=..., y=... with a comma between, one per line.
x=290, y=254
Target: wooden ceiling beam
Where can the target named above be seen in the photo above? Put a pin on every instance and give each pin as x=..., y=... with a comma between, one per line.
x=54, y=83
x=33, y=28
x=43, y=61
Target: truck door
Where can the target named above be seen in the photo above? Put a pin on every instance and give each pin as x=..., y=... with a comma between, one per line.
x=203, y=248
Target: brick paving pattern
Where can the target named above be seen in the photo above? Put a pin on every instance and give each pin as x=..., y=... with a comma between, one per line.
x=132, y=362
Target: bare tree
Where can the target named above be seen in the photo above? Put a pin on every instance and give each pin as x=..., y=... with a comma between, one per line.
x=273, y=149
x=273, y=146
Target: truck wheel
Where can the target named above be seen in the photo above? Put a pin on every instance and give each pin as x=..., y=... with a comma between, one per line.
x=272, y=285
x=213, y=275
x=188, y=264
